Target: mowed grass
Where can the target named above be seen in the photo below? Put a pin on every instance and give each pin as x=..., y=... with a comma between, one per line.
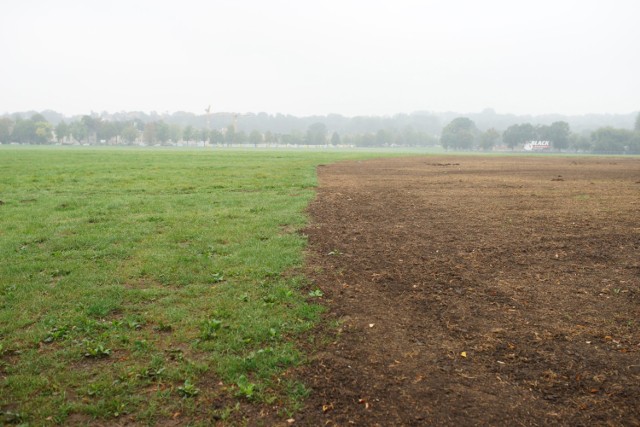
x=151, y=285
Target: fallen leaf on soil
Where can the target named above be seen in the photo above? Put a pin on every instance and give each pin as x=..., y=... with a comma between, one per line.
x=328, y=407
x=371, y=325
x=463, y=354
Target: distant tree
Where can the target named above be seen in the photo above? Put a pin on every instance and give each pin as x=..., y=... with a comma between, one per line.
x=489, y=139
x=382, y=137
x=335, y=139
x=424, y=139
x=518, y=134
x=202, y=135
x=107, y=131
x=255, y=137
x=43, y=132
x=91, y=124
x=175, y=132
x=558, y=133
x=460, y=134
x=6, y=126
x=317, y=134
x=61, y=131
x=130, y=133
x=268, y=137
x=150, y=133
x=163, y=132
x=609, y=140
x=637, y=125
x=187, y=133
x=410, y=136
x=78, y=131
x=216, y=137
x=580, y=143
x=241, y=137
x=24, y=131
x=38, y=118
x=230, y=134
x=633, y=146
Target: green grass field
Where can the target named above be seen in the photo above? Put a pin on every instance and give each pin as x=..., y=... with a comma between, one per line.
x=145, y=285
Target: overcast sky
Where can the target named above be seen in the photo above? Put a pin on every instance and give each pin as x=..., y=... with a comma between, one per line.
x=302, y=57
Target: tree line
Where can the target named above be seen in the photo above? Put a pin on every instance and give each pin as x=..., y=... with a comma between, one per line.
x=461, y=133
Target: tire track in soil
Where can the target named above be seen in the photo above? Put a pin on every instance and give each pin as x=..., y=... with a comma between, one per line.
x=476, y=291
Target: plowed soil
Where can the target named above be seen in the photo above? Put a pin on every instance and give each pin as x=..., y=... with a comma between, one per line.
x=477, y=291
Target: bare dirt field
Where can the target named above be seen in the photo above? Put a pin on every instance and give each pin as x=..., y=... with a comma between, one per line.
x=477, y=291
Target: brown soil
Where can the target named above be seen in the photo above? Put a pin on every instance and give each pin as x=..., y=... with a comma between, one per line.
x=477, y=291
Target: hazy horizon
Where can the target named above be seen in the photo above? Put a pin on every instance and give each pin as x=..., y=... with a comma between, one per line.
x=352, y=58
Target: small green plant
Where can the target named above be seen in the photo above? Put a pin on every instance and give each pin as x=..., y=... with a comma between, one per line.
x=11, y=417
x=316, y=293
x=188, y=389
x=210, y=329
x=152, y=373
x=245, y=387
x=217, y=277
x=269, y=299
x=133, y=324
x=93, y=349
x=163, y=327
x=56, y=334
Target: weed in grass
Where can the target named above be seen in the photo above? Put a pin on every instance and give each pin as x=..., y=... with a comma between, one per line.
x=163, y=327
x=246, y=388
x=316, y=293
x=57, y=334
x=210, y=329
x=188, y=389
x=93, y=349
x=224, y=413
x=7, y=417
x=217, y=277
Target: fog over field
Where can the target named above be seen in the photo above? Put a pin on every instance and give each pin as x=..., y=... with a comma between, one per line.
x=306, y=58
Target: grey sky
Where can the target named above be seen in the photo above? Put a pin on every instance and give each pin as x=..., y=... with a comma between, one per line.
x=302, y=57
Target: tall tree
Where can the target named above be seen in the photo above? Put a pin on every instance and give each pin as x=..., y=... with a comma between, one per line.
x=216, y=137
x=91, y=124
x=78, y=131
x=187, y=134
x=230, y=134
x=43, y=133
x=255, y=138
x=175, y=133
x=317, y=134
x=558, y=134
x=609, y=140
x=130, y=133
x=460, y=134
x=6, y=126
x=24, y=131
x=518, y=134
x=489, y=139
x=150, y=133
x=335, y=139
x=107, y=131
x=637, y=125
x=163, y=132
x=61, y=131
